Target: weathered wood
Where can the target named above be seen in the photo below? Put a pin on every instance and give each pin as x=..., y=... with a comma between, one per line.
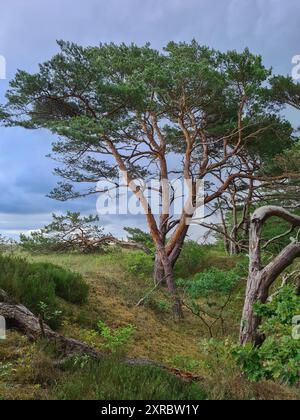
x=3, y=296
x=21, y=318
x=261, y=278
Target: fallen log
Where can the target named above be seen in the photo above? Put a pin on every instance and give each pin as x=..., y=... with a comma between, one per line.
x=20, y=318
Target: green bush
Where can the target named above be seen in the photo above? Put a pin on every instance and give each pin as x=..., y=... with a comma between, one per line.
x=208, y=295
x=26, y=284
x=189, y=260
x=68, y=285
x=210, y=283
x=279, y=356
x=139, y=264
x=163, y=305
x=115, y=339
x=38, y=283
x=51, y=317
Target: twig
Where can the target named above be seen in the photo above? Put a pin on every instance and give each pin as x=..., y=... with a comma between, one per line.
x=151, y=291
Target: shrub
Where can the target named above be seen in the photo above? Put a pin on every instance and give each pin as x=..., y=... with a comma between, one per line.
x=208, y=294
x=139, y=264
x=39, y=284
x=142, y=265
x=224, y=380
x=115, y=339
x=189, y=260
x=5, y=369
x=163, y=305
x=210, y=283
x=279, y=356
x=25, y=284
x=51, y=317
x=68, y=285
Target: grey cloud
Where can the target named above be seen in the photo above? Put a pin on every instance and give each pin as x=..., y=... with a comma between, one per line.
x=28, y=32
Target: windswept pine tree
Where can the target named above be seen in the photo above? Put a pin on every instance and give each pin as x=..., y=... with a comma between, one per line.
x=186, y=112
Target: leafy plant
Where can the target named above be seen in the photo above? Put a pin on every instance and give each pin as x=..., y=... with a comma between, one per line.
x=163, y=305
x=117, y=338
x=211, y=282
x=81, y=361
x=5, y=369
x=68, y=285
x=189, y=260
x=139, y=264
x=279, y=356
x=51, y=317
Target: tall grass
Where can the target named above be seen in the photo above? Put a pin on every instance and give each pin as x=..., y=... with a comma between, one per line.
x=113, y=380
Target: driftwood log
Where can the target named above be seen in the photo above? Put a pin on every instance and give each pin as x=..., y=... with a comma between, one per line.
x=20, y=318
x=261, y=278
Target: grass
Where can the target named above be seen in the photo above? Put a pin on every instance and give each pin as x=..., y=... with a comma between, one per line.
x=27, y=373
x=113, y=297
x=113, y=294
x=112, y=380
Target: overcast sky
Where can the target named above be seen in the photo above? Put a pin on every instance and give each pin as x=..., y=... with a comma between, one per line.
x=28, y=33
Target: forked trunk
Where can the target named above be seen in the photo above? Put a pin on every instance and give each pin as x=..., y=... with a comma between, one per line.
x=159, y=273
x=261, y=278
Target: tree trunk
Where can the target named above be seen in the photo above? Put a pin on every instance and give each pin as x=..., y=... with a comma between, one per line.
x=175, y=254
x=234, y=248
x=226, y=245
x=159, y=272
x=261, y=278
x=256, y=292
x=17, y=316
x=298, y=288
x=169, y=276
